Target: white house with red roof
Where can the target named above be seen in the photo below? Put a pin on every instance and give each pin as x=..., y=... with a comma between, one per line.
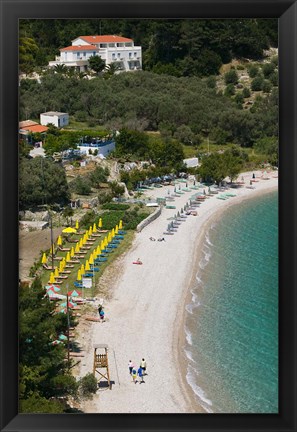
x=111, y=48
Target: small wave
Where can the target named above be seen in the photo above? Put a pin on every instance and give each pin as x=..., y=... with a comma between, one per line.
x=207, y=239
x=198, y=279
x=188, y=336
x=190, y=307
x=189, y=356
x=206, y=403
x=205, y=260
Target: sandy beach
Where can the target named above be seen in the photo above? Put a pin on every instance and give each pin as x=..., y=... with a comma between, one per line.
x=146, y=313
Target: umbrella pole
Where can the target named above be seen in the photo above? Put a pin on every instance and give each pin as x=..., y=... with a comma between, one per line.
x=52, y=240
x=68, y=329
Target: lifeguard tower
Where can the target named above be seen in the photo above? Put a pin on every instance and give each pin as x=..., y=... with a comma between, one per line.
x=101, y=362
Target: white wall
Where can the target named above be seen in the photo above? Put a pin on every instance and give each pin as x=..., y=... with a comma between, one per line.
x=104, y=150
x=46, y=119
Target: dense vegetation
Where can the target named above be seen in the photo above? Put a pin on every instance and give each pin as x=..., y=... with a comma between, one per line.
x=46, y=382
x=180, y=47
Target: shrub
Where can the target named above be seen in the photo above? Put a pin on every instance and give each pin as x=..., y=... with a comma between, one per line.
x=240, y=67
x=105, y=197
x=267, y=86
x=268, y=69
x=274, y=78
x=80, y=186
x=229, y=90
x=257, y=83
x=253, y=71
x=114, y=206
x=246, y=92
x=88, y=385
x=231, y=77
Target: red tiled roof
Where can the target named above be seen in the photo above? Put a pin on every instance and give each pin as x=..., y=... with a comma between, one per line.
x=105, y=39
x=80, y=48
x=35, y=128
x=25, y=123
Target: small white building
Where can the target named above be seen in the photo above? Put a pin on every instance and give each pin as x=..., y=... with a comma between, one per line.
x=111, y=48
x=191, y=162
x=56, y=118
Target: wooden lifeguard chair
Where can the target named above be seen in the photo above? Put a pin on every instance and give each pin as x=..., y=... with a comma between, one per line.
x=101, y=362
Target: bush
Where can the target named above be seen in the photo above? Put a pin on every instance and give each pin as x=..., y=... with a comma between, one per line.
x=246, y=92
x=211, y=82
x=105, y=197
x=240, y=67
x=239, y=99
x=253, y=71
x=113, y=206
x=274, y=78
x=229, y=90
x=257, y=83
x=231, y=77
x=267, y=86
x=88, y=385
x=80, y=186
x=268, y=69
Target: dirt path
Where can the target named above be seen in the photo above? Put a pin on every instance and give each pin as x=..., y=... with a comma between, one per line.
x=30, y=245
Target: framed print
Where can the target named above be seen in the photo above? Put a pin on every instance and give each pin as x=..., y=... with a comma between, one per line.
x=148, y=215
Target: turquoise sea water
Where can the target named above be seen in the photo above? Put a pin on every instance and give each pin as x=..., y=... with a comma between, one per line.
x=232, y=320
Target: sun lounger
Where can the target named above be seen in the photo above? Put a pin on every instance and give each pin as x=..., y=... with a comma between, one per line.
x=119, y=237
x=122, y=232
x=92, y=318
x=101, y=259
x=46, y=267
x=78, y=256
x=69, y=266
x=63, y=249
x=71, y=240
x=63, y=277
x=102, y=231
x=58, y=258
x=65, y=272
x=88, y=274
x=86, y=248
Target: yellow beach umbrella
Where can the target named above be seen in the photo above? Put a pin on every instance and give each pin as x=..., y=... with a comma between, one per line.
x=82, y=269
x=80, y=243
x=69, y=230
x=52, y=278
x=105, y=241
x=112, y=233
x=76, y=225
x=87, y=266
x=43, y=259
x=98, y=250
x=76, y=248
x=90, y=232
x=59, y=242
x=56, y=274
x=100, y=223
x=109, y=237
x=120, y=224
x=116, y=229
x=78, y=275
x=102, y=245
x=94, y=227
x=61, y=266
x=91, y=260
x=52, y=251
x=72, y=252
x=68, y=257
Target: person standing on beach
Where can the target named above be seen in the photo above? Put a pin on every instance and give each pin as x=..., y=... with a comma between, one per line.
x=143, y=366
x=131, y=366
x=140, y=374
x=134, y=375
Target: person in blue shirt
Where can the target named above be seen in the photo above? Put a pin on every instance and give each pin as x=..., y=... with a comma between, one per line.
x=140, y=374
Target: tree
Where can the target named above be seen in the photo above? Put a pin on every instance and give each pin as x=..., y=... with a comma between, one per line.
x=80, y=185
x=96, y=64
x=267, y=86
x=131, y=141
x=116, y=189
x=268, y=69
x=41, y=181
x=246, y=92
x=229, y=90
x=213, y=168
x=233, y=163
x=253, y=70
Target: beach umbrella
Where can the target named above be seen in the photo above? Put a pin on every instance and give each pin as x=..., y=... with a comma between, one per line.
x=181, y=211
x=52, y=250
x=94, y=254
x=82, y=269
x=94, y=227
x=64, y=311
x=98, y=250
x=52, y=278
x=80, y=243
x=79, y=275
x=87, y=266
x=102, y=245
x=76, y=225
x=68, y=257
x=69, y=230
x=52, y=288
x=178, y=214
x=116, y=229
x=109, y=237
x=59, y=242
x=90, y=232
x=56, y=274
x=61, y=266
x=44, y=259
x=91, y=260
x=72, y=252
x=56, y=342
x=100, y=223
x=76, y=248
x=105, y=241
x=112, y=233
x=62, y=337
x=120, y=224
x=74, y=293
x=70, y=304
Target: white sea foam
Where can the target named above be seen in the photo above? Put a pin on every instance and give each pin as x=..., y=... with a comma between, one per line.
x=189, y=356
x=205, y=260
x=207, y=239
x=188, y=336
x=205, y=402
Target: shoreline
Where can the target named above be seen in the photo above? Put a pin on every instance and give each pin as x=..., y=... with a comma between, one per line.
x=181, y=339
x=147, y=312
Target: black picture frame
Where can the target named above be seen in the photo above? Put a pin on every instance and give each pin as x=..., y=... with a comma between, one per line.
x=11, y=12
